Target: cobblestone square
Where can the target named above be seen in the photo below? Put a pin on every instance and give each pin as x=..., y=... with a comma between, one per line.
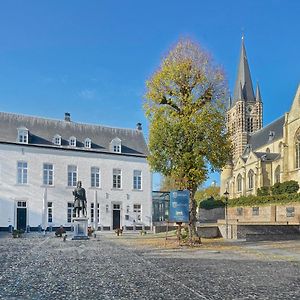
x=37, y=267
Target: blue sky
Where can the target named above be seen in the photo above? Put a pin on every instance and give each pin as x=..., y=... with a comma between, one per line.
x=92, y=58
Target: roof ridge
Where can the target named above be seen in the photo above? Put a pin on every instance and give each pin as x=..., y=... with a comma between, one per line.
x=66, y=122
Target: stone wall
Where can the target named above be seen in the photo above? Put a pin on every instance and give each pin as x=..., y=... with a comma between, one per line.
x=211, y=215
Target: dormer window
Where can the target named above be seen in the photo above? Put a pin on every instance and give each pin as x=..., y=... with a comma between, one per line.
x=87, y=143
x=116, y=145
x=57, y=140
x=72, y=141
x=23, y=135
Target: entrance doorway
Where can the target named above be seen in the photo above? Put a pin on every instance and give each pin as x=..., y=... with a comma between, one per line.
x=21, y=215
x=116, y=216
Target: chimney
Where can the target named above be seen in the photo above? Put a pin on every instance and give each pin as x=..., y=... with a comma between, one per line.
x=139, y=126
x=67, y=117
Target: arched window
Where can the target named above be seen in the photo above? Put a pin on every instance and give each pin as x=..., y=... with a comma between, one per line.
x=277, y=174
x=250, y=179
x=268, y=150
x=297, y=149
x=239, y=183
x=22, y=135
x=116, y=145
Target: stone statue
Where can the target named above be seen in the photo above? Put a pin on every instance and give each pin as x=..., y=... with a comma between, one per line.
x=79, y=200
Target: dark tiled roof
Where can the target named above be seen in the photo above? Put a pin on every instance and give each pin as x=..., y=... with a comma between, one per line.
x=267, y=156
x=261, y=137
x=42, y=131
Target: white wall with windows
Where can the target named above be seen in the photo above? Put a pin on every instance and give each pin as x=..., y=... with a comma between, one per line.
x=112, y=182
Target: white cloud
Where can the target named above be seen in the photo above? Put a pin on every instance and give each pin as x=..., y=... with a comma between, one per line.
x=87, y=94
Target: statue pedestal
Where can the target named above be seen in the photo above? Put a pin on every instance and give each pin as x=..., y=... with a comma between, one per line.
x=80, y=228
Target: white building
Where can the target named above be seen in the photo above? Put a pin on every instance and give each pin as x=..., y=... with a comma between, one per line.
x=41, y=160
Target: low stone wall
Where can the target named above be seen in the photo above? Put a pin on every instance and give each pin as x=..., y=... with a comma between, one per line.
x=211, y=215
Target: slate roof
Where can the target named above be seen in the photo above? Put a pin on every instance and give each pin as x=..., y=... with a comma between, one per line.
x=42, y=131
x=267, y=156
x=261, y=137
x=243, y=89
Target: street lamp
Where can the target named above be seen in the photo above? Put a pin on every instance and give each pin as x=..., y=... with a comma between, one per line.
x=226, y=211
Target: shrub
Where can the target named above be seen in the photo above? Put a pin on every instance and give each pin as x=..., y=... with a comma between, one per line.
x=263, y=191
x=287, y=187
x=211, y=203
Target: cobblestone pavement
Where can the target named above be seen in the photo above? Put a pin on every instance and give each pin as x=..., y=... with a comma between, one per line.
x=38, y=267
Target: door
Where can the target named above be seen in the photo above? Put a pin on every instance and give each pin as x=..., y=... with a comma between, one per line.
x=116, y=216
x=21, y=218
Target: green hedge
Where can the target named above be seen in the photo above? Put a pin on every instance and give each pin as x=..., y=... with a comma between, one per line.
x=264, y=200
x=211, y=203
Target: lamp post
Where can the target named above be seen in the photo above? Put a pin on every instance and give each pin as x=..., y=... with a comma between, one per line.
x=226, y=212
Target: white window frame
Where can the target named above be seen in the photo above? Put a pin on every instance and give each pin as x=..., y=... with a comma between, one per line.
x=137, y=210
x=22, y=172
x=116, y=145
x=117, y=179
x=137, y=180
x=70, y=207
x=72, y=141
x=22, y=135
x=72, y=175
x=57, y=140
x=95, y=177
x=88, y=143
x=48, y=174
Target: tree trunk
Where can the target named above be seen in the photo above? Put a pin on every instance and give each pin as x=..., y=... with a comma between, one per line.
x=193, y=235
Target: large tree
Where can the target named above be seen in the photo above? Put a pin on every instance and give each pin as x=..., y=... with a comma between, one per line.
x=185, y=106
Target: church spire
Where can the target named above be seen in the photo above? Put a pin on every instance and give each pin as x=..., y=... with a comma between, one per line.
x=243, y=79
x=257, y=94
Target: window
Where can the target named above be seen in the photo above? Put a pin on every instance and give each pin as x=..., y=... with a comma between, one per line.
x=297, y=148
x=290, y=212
x=137, y=180
x=72, y=141
x=106, y=208
x=239, y=211
x=87, y=143
x=72, y=175
x=137, y=209
x=277, y=174
x=23, y=135
x=239, y=183
x=22, y=172
x=21, y=204
x=250, y=179
x=57, y=140
x=268, y=150
x=117, y=178
x=95, y=177
x=48, y=174
x=116, y=145
x=70, y=212
x=255, y=211
x=93, y=212
x=50, y=212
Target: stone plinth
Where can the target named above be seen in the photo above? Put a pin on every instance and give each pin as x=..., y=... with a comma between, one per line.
x=80, y=228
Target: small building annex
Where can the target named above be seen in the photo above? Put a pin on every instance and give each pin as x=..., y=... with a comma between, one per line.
x=41, y=161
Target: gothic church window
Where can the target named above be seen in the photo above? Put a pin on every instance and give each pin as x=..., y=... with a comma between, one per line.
x=277, y=174
x=250, y=179
x=239, y=183
x=297, y=148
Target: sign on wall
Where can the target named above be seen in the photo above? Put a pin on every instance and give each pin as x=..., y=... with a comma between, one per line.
x=179, y=206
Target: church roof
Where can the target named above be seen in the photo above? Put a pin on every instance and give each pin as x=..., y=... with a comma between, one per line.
x=267, y=156
x=267, y=134
x=42, y=131
x=243, y=82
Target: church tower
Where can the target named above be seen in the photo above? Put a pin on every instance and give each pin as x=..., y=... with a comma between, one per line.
x=244, y=115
